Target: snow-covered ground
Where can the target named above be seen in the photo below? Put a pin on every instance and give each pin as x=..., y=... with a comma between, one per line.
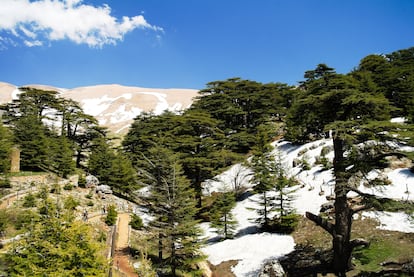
x=252, y=249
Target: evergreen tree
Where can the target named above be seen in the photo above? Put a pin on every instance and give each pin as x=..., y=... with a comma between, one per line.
x=111, y=216
x=61, y=156
x=112, y=168
x=334, y=102
x=221, y=216
x=285, y=219
x=6, y=143
x=262, y=165
x=57, y=245
x=173, y=209
x=31, y=136
x=197, y=140
x=241, y=106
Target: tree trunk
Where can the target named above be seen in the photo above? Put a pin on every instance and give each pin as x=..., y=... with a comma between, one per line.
x=160, y=247
x=173, y=259
x=266, y=221
x=225, y=225
x=343, y=214
x=341, y=230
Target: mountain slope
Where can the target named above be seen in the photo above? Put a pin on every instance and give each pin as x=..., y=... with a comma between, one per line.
x=116, y=106
x=252, y=248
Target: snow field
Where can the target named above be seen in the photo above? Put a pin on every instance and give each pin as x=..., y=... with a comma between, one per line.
x=252, y=249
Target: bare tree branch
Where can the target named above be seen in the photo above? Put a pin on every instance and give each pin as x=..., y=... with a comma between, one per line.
x=325, y=224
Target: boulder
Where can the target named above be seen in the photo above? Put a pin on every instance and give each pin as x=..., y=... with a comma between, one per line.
x=91, y=181
x=103, y=189
x=272, y=269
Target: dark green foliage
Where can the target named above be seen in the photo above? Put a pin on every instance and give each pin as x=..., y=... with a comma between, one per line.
x=220, y=214
x=285, y=224
x=23, y=219
x=61, y=156
x=390, y=205
x=263, y=165
x=82, y=181
x=111, y=216
x=56, y=246
x=4, y=182
x=29, y=201
x=393, y=76
x=34, y=119
x=136, y=222
x=70, y=203
x=355, y=110
x=112, y=168
x=173, y=207
x=32, y=138
x=68, y=187
x=194, y=136
x=6, y=142
x=241, y=106
x=273, y=185
x=4, y=221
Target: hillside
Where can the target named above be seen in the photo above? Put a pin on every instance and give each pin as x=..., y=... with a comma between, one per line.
x=115, y=106
x=251, y=248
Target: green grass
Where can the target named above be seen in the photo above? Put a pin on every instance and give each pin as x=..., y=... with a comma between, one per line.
x=384, y=245
x=369, y=259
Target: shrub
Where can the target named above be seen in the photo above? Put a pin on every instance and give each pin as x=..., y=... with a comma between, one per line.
x=112, y=215
x=70, y=203
x=24, y=219
x=136, y=222
x=286, y=224
x=68, y=186
x=29, y=201
x=326, y=150
x=5, y=183
x=55, y=189
x=82, y=181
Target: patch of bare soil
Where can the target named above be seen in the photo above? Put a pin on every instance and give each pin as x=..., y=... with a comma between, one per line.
x=223, y=269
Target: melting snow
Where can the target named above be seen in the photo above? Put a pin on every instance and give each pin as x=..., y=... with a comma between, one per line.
x=392, y=221
x=252, y=249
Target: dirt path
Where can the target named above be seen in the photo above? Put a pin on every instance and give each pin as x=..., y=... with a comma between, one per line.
x=121, y=257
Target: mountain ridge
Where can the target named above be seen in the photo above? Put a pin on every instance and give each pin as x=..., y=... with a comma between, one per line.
x=114, y=105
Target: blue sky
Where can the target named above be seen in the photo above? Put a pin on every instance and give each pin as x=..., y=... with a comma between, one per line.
x=188, y=43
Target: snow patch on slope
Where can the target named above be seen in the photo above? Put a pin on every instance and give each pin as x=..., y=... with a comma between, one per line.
x=390, y=221
x=253, y=249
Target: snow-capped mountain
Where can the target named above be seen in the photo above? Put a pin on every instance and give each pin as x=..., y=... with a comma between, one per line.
x=115, y=106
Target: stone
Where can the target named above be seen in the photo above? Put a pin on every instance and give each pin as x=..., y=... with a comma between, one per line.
x=91, y=181
x=272, y=269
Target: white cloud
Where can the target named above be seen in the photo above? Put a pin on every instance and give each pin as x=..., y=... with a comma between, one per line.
x=35, y=22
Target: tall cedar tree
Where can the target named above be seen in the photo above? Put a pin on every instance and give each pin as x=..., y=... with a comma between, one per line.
x=241, y=106
x=51, y=118
x=6, y=143
x=393, y=75
x=285, y=219
x=173, y=209
x=331, y=102
x=199, y=143
x=111, y=167
x=262, y=165
x=194, y=136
